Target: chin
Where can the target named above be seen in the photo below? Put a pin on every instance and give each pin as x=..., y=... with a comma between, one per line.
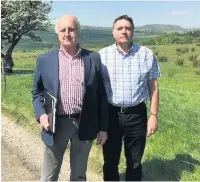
x=67, y=43
x=124, y=42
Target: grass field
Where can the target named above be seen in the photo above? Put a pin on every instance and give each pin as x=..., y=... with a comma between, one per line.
x=173, y=153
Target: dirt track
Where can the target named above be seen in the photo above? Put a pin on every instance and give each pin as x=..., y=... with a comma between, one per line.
x=21, y=154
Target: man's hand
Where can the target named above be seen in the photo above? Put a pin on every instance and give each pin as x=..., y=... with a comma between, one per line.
x=101, y=138
x=44, y=123
x=152, y=125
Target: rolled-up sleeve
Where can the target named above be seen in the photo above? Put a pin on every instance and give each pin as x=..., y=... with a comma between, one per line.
x=154, y=72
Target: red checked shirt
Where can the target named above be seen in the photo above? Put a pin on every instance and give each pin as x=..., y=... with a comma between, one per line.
x=71, y=80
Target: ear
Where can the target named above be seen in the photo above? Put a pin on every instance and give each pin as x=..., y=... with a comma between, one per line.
x=113, y=32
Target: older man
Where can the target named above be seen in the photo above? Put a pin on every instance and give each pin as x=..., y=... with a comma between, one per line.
x=73, y=76
x=130, y=76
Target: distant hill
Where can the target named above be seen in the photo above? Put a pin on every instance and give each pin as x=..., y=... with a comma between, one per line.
x=159, y=28
x=96, y=28
x=97, y=36
x=156, y=28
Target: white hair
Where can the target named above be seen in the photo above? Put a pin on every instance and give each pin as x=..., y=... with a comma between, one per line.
x=56, y=26
x=78, y=26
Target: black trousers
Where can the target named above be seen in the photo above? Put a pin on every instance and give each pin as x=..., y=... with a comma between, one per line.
x=131, y=126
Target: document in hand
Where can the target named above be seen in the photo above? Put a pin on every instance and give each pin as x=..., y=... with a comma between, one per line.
x=50, y=108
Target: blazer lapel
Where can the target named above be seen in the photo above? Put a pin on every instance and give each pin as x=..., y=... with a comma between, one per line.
x=55, y=71
x=87, y=65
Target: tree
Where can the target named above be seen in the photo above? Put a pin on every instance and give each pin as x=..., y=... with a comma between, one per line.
x=194, y=33
x=148, y=41
x=21, y=18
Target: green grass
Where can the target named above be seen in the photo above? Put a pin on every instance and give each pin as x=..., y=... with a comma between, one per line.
x=173, y=153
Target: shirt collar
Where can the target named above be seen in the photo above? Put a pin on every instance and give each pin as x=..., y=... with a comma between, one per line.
x=132, y=49
x=63, y=51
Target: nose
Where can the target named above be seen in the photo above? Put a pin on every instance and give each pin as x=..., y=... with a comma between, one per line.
x=67, y=32
x=124, y=30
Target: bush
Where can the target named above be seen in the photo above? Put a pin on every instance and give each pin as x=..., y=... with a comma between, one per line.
x=182, y=50
x=198, y=44
x=178, y=49
x=22, y=50
x=156, y=53
x=147, y=42
x=196, y=63
x=197, y=71
x=192, y=57
x=192, y=49
x=179, y=62
x=185, y=49
x=162, y=58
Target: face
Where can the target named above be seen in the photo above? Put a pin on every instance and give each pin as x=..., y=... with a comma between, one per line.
x=123, y=32
x=67, y=31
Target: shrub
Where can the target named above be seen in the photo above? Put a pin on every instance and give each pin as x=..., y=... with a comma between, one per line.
x=185, y=49
x=178, y=49
x=179, y=62
x=196, y=63
x=23, y=50
x=162, y=58
x=178, y=53
x=198, y=44
x=182, y=50
x=192, y=49
x=156, y=53
x=192, y=57
x=197, y=71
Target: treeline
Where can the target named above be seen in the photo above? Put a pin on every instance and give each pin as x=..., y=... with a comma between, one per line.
x=174, y=38
x=193, y=33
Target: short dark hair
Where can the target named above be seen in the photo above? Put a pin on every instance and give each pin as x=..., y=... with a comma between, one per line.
x=125, y=17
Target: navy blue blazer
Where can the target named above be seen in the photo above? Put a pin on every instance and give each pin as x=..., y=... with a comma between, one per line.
x=94, y=114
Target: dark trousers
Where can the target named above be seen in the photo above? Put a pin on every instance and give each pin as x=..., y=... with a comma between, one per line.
x=131, y=126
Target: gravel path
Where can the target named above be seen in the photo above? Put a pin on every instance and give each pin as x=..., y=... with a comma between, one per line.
x=21, y=154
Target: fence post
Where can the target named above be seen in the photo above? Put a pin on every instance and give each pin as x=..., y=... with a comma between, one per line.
x=3, y=73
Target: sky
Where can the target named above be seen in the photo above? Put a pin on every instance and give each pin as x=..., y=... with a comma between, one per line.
x=103, y=13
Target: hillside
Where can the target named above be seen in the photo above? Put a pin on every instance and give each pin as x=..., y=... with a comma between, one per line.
x=95, y=36
x=160, y=28
x=157, y=28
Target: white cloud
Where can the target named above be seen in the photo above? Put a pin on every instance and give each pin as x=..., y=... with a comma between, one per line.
x=180, y=13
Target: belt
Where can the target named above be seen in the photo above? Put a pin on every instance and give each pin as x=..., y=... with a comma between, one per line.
x=71, y=116
x=142, y=105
